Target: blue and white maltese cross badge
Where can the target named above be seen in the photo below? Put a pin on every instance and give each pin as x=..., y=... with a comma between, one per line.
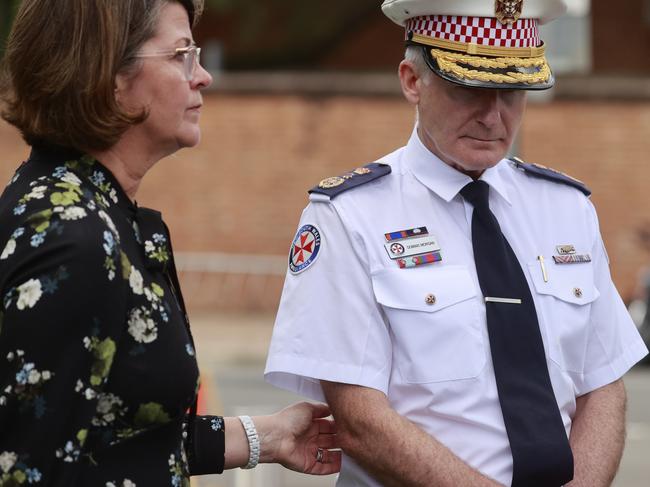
x=304, y=249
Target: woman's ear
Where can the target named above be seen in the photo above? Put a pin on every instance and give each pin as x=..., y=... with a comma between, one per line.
x=122, y=83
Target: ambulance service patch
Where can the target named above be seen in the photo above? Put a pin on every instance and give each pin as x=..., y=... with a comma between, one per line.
x=304, y=249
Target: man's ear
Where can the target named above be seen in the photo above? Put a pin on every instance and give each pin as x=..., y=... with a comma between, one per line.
x=410, y=81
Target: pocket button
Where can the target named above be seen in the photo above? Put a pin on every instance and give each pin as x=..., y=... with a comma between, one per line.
x=577, y=292
x=430, y=299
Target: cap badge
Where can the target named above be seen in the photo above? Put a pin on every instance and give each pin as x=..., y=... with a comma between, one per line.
x=508, y=11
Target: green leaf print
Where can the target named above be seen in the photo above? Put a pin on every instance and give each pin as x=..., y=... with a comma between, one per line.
x=104, y=352
x=126, y=266
x=64, y=199
x=157, y=290
x=20, y=477
x=81, y=436
x=149, y=414
x=40, y=221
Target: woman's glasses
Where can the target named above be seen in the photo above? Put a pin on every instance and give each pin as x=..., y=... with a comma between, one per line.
x=191, y=56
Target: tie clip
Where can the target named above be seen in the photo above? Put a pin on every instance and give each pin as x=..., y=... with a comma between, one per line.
x=489, y=299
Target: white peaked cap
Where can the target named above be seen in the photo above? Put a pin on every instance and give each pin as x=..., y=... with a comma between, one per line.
x=399, y=11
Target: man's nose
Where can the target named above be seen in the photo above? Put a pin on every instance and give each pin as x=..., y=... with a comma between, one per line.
x=490, y=108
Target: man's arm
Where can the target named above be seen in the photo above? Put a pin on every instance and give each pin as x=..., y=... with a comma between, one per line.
x=598, y=435
x=391, y=448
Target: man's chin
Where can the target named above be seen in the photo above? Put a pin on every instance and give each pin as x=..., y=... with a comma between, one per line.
x=481, y=159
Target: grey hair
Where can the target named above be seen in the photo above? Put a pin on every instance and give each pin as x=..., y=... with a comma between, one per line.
x=415, y=56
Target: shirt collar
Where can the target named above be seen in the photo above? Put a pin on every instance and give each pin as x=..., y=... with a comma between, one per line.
x=443, y=179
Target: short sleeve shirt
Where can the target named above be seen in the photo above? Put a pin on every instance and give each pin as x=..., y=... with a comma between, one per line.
x=419, y=334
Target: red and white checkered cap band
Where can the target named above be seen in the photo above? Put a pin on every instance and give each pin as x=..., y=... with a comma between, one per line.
x=484, y=31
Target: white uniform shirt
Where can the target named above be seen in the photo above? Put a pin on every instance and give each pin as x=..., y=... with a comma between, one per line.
x=353, y=316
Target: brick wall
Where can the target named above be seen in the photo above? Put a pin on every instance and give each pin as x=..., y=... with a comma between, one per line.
x=625, y=53
x=241, y=191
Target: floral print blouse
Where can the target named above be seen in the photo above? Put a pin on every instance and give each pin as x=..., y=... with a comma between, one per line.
x=97, y=365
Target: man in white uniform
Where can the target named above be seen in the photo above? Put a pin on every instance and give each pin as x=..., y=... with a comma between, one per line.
x=453, y=307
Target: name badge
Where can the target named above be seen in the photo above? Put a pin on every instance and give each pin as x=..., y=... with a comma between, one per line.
x=411, y=246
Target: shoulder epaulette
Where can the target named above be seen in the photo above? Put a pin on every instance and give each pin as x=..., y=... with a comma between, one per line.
x=550, y=174
x=336, y=185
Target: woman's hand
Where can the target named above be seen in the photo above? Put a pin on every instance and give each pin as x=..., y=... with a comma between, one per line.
x=300, y=438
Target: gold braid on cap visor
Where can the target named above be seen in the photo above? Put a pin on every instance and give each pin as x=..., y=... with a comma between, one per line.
x=531, y=59
x=450, y=62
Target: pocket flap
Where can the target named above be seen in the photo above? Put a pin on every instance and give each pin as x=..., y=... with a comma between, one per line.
x=427, y=288
x=573, y=283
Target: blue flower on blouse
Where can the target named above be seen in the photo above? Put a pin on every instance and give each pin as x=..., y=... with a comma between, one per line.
x=216, y=424
x=23, y=375
x=19, y=232
x=60, y=171
x=37, y=239
x=158, y=238
x=33, y=475
x=20, y=209
x=97, y=178
x=110, y=242
x=49, y=285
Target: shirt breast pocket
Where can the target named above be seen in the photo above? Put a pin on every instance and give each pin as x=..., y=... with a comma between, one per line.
x=564, y=310
x=434, y=318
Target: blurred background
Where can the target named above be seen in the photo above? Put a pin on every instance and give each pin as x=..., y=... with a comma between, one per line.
x=307, y=90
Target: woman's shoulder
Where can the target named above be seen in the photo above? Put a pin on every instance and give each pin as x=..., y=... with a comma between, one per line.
x=57, y=214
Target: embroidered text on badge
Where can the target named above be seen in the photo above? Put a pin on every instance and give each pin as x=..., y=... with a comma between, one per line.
x=411, y=246
x=304, y=249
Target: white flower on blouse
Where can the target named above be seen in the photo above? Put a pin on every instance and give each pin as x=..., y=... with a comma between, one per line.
x=136, y=281
x=109, y=222
x=141, y=327
x=125, y=483
x=71, y=178
x=7, y=460
x=73, y=213
x=34, y=377
x=30, y=293
x=37, y=193
x=10, y=248
x=106, y=402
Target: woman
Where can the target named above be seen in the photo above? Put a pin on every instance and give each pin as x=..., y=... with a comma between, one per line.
x=97, y=365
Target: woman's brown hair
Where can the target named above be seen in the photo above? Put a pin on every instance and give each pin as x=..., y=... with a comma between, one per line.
x=57, y=83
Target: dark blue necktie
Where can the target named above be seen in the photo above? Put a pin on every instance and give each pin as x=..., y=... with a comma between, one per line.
x=541, y=452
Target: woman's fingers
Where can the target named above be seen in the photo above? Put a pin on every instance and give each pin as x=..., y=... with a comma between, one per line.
x=327, y=441
x=330, y=462
x=326, y=425
x=319, y=410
